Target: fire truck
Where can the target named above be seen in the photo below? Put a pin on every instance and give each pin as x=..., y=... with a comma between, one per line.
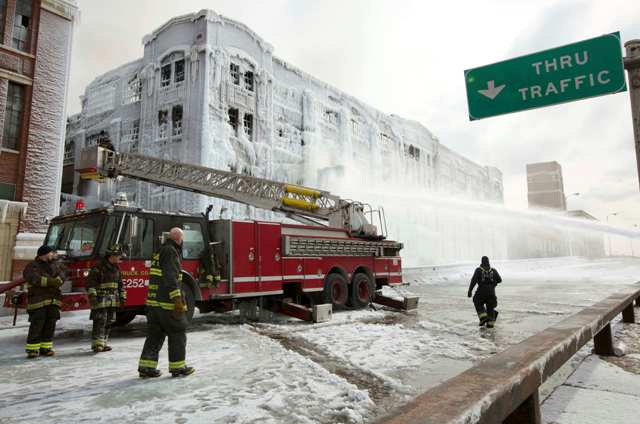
x=332, y=258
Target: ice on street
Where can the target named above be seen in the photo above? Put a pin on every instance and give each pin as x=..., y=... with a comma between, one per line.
x=350, y=370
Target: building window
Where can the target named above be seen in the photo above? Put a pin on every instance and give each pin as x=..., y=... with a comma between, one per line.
x=248, y=80
x=233, y=120
x=356, y=128
x=165, y=75
x=3, y=13
x=13, y=116
x=248, y=125
x=7, y=191
x=163, y=124
x=21, y=25
x=176, y=120
x=69, y=152
x=130, y=135
x=179, y=70
x=235, y=73
x=132, y=91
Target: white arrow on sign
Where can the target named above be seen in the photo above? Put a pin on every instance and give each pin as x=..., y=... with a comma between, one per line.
x=491, y=91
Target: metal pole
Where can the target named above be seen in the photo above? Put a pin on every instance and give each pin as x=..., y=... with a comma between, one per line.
x=632, y=65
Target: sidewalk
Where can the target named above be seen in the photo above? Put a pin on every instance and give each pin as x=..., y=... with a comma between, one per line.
x=601, y=390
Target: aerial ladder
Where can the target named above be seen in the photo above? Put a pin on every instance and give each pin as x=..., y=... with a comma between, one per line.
x=303, y=204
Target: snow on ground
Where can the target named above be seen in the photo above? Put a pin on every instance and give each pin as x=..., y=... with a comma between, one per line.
x=350, y=370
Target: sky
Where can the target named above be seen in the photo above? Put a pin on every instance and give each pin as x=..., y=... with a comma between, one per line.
x=407, y=58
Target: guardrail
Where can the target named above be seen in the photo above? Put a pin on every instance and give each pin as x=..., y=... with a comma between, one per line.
x=504, y=388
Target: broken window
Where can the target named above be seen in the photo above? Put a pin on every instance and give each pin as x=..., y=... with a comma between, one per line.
x=163, y=124
x=233, y=119
x=248, y=125
x=248, y=80
x=179, y=70
x=165, y=75
x=235, y=73
x=21, y=25
x=133, y=91
x=176, y=120
x=13, y=116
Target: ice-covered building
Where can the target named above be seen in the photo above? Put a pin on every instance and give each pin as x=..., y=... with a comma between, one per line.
x=210, y=91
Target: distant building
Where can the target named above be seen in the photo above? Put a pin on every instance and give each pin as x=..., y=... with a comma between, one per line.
x=545, y=186
x=35, y=50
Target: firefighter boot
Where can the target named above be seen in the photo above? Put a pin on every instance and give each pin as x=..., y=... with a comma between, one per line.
x=182, y=372
x=145, y=372
x=47, y=352
x=484, y=317
x=31, y=354
x=492, y=323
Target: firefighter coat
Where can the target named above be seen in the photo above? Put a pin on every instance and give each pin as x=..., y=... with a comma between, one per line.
x=43, y=281
x=105, y=284
x=165, y=276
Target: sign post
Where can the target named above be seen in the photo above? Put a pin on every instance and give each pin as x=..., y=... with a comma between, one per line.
x=576, y=71
x=632, y=65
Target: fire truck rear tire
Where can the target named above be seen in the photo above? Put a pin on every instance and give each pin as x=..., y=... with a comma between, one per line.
x=336, y=290
x=362, y=290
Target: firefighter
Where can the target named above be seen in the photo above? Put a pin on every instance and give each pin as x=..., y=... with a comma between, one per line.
x=106, y=296
x=166, y=309
x=209, y=269
x=485, y=300
x=43, y=278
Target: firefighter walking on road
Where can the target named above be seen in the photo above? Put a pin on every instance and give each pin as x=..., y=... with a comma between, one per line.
x=106, y=296
x=166, y=311
x=485, y=300
x=43, y=278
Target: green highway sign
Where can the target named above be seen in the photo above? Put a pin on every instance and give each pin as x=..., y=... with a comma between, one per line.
x=576, y=71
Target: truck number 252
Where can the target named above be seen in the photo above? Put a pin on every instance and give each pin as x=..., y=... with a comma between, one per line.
x=134, y=283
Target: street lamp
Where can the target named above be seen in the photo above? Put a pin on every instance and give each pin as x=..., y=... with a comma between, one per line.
x=569, y=195
x=609, y=235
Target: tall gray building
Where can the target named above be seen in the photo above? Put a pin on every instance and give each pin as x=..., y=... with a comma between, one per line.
x=545, y=186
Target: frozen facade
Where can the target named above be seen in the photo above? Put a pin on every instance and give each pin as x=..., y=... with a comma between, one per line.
x=209, y=91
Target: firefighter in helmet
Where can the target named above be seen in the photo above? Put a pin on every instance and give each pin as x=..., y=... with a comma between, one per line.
x=106, y=296
x=485, y=300
x=166, y=311
x=43, y=278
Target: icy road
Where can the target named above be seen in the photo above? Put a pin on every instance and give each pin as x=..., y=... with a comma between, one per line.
x=350, y=370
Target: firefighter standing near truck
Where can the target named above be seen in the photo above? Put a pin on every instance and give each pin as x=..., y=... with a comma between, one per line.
x=43, y=278
x=106, y=296
x=166, y=311
x=485, y=300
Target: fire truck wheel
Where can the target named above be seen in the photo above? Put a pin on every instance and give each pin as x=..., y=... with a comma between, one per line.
x=362, y=290
x=335, y=290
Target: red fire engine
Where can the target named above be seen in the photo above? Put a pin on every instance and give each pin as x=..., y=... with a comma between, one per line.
x=334, y=259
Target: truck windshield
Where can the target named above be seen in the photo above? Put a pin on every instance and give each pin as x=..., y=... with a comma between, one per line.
x=77, y=237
